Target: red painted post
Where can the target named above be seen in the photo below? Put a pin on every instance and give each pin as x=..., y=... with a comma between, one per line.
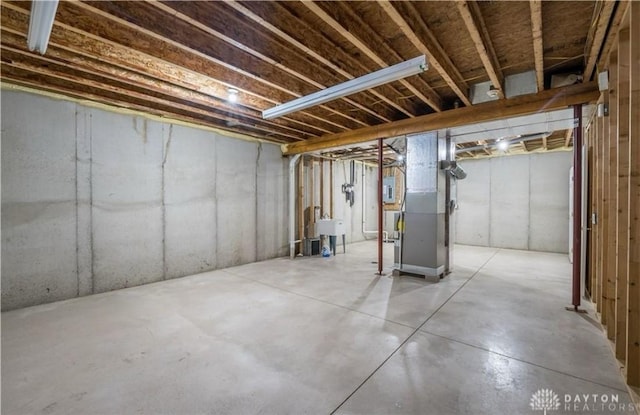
x=380, y=206
x=577, y=204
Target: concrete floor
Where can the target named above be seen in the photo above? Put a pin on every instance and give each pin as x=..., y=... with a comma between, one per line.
x=315, y=335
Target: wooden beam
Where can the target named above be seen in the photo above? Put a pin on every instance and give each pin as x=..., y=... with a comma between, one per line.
x=100, y=83
x=622, y=236
x=310, y=52
x=139, y=81
x=612, y=181
x=433, y=100
x=599, y=29
x=157, y=44
x=544, y=142
x=472, y=17
x=426, y=43
x=606, y=243
x=170, y=9
x=192, y=72
x=538, y=51
x=611, y=40
x=633, y=295
x=525, y=104
x=567, y=137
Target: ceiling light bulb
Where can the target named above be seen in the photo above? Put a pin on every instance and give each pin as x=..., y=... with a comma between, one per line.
x=232, y=95
x=400, y=158
x=503, y=145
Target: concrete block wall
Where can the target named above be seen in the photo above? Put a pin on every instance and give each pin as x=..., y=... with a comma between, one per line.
x=518, y=202
x=94, y=200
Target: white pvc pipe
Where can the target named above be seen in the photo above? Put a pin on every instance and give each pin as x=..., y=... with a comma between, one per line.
x=364, y=198
x=292, y=206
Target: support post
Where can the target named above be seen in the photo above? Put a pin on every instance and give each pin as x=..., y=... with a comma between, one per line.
x=577, y=203
x=380, y=210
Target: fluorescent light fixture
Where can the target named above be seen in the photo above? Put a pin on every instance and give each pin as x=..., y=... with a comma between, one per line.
x=383, y=76
x=232, y=95
x=43, y=12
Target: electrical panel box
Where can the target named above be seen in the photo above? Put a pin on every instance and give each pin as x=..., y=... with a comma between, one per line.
x=389, y=189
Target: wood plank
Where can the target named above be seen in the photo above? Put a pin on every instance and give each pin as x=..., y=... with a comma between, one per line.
x=138, y=18
x=547, y=100
x=599, y=27
x=189, y=72
x=612, y=180
x=591, y=239
x=141, y=82
x=599, y=213
x=282, y=53
x=536, y=31
x=633, y=295
x=567, y=137
x=426, y=43
x=472, y=17
x=310, y=52
x=432, y=100
x=622, y=236
x=170, y=105
x=606, y=245
x=610, y=42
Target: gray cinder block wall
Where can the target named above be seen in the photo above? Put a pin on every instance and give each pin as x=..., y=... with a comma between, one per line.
x=518, y=202
x=94, y=200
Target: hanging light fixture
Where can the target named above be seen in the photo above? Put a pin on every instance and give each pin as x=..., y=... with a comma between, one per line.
x=383, y=76
x=43, y=13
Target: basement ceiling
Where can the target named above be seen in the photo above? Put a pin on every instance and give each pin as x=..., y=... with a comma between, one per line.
x=178, y=59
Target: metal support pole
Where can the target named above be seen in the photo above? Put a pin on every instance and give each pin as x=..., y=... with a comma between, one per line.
x=577, y=204
x=380, y=210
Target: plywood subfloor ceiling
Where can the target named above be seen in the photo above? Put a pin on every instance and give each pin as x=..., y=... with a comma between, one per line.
x=179, y=58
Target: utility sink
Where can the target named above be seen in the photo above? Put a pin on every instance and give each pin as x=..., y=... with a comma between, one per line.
x=330, y=227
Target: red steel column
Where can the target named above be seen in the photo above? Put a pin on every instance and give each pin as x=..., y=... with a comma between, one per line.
x=577, y=203
x=380, y=206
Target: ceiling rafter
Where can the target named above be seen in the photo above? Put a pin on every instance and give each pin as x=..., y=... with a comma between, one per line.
x=249, y=14
x=599, y=27
x=547, y=100
x=536, y=32
x=99, y=83
x=433, y=102
x=544, y=142
x=472, y=17
x=59, y=57
x=261, y=56
x=38, y=81
x=253, y=77
x=87, y=44
x=567, y=137
x=438, y=58
x=616, y=21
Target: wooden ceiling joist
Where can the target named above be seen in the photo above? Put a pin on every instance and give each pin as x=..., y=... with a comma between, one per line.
x=426, y=43
x=536, y=31
x=619, y=14
x=472, y=18
x=300, y=60
x=567, y=137
x=193, y=72
x=310, y=52
x=432, y=100
x=147, y=87
x=547, y=100
x=217, y=52
x=597, y=34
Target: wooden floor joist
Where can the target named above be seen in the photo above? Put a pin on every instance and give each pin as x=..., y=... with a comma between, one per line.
x=547, y=100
